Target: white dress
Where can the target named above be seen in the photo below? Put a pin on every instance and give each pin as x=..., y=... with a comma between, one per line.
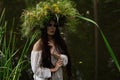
x=42, y=73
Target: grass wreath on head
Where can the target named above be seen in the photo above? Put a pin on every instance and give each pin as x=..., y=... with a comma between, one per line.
x=63, y=11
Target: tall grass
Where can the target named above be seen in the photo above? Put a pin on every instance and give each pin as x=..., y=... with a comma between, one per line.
x=110, y=50
x=8, y=51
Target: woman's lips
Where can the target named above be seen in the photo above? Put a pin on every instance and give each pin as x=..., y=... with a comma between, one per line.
x=52, y=31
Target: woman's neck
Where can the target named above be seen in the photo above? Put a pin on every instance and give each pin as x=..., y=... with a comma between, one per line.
x=50, y=38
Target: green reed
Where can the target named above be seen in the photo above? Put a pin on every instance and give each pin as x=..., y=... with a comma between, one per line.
x=110, y=50
x=8, y=51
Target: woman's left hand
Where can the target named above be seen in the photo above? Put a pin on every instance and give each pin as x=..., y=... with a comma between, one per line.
x=51, y=44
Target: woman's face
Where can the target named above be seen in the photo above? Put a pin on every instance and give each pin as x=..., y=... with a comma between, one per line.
x=51, y=28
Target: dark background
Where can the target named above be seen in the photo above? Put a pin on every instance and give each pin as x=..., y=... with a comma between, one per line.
x=81, y=43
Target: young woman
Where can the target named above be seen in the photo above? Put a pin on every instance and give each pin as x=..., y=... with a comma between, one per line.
x=50, y=55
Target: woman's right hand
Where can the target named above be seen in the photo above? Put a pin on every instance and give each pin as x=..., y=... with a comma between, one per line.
x=59, y=63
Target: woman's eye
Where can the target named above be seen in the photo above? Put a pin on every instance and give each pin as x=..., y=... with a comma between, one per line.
x=49, y=25
x=52, y=25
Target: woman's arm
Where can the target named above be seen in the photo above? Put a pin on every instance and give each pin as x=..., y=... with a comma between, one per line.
x=35, y=63
x=58, y=55
x=62, y=57
x=42, y=71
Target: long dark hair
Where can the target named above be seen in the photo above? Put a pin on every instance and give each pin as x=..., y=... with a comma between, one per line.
x=59, y=43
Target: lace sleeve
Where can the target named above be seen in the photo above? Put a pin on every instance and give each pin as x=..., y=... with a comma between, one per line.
x=65, y=59
x=40, y=72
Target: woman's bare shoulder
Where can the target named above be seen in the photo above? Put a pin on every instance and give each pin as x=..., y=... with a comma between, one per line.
x=37, y=45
